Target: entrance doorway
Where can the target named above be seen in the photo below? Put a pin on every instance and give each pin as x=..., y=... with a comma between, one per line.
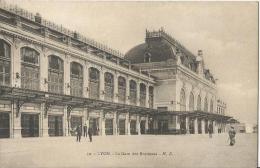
x=163, y=127
x=121, y=127
x=55, y=125
x=133, y=127
x=109, y=126
x=94, y=124
x=199, y=126
x=75, y=121
x=142, y=125
x=182, y=125
x=191, y=126
x=30, y=125
x=4, y=125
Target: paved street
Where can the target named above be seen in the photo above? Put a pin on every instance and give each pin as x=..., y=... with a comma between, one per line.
x=124, y=151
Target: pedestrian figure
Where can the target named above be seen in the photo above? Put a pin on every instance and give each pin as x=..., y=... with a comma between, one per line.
x=232, y=134
x=90, y=132
x=79, y=129
x=85, y=129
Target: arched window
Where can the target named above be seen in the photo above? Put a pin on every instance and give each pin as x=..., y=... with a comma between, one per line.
x=94, y=78
x=182, y=100
x=121, y=89
x=76, y=79
x=205, y=104
x=191, y=102
x=109, y=86
x=142, y=94
x=211, y=106
x=199, y=103
x=56, y=75
x=133, y=92
x=151, y=95
x=5, y=63
x=30, y=69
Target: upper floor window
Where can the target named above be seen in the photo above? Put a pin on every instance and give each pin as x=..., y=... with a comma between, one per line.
x=182, y=100
x=5, y=63
x=205, y=104
x=211, y=106
x=94, y=84
x=142, y=94
x=199, y=103
x=56, y=74
x=121, y=89
x=76, y=79
x=30, y=55
x=151, y=95
x=133, y=92
x=109, y=86
x=30, y=70
x=191, y=102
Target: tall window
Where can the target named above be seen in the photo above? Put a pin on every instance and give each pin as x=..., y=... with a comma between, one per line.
x=56, y=74
x=5, y=63
x=151, y=95
x=205, y=104
x=142, y=94
x=211, y=106
x=94, y=83
x=121, y=89
x=133, y=92
x=30, y=69
x=191, y=102
x=76, y=79
x=182, y=100
x=109, y=86
x=199, y=103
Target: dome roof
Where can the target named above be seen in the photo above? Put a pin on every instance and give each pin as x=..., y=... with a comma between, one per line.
x=157, y=50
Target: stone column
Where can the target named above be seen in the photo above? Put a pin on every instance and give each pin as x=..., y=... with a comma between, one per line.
x=196, y=126
x=16, y=63
x=187, y=125
x=44, y=63
x=44, y=125
x=85, y=81
x=128, y=120
x=202, y=126
x=115, y=123
x=102, y=86
x=146, y=123
x=103, y=124
x=17, y=121
x=115, y=88
x=66, y=122
x=67, y=83
x=127, y=91
x=138, y=123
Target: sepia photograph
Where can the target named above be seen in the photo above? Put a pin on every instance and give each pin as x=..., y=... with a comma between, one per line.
x=129, y=84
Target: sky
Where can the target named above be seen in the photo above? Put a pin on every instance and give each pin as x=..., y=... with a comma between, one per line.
x=227, y=32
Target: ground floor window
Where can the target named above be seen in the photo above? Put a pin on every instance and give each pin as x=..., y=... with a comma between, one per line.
x=121, y=127
x=55, y=125
x=163, y=127
x=30, y=125
x=133, y=127
x=4, y=125
x=109, y=126
x=94, y=124
x=75, y=121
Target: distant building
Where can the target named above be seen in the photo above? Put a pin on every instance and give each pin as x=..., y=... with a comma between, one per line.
x=53, y=79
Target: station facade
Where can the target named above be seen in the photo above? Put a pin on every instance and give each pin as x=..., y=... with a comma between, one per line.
x=53, y=79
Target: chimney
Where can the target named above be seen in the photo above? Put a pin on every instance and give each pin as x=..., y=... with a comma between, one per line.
x=38, y=18
x=200, y=53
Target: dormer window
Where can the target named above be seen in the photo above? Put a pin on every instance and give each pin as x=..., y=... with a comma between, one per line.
x=147, y=57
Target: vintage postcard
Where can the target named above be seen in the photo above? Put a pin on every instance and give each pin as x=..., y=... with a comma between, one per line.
x=113, y=84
